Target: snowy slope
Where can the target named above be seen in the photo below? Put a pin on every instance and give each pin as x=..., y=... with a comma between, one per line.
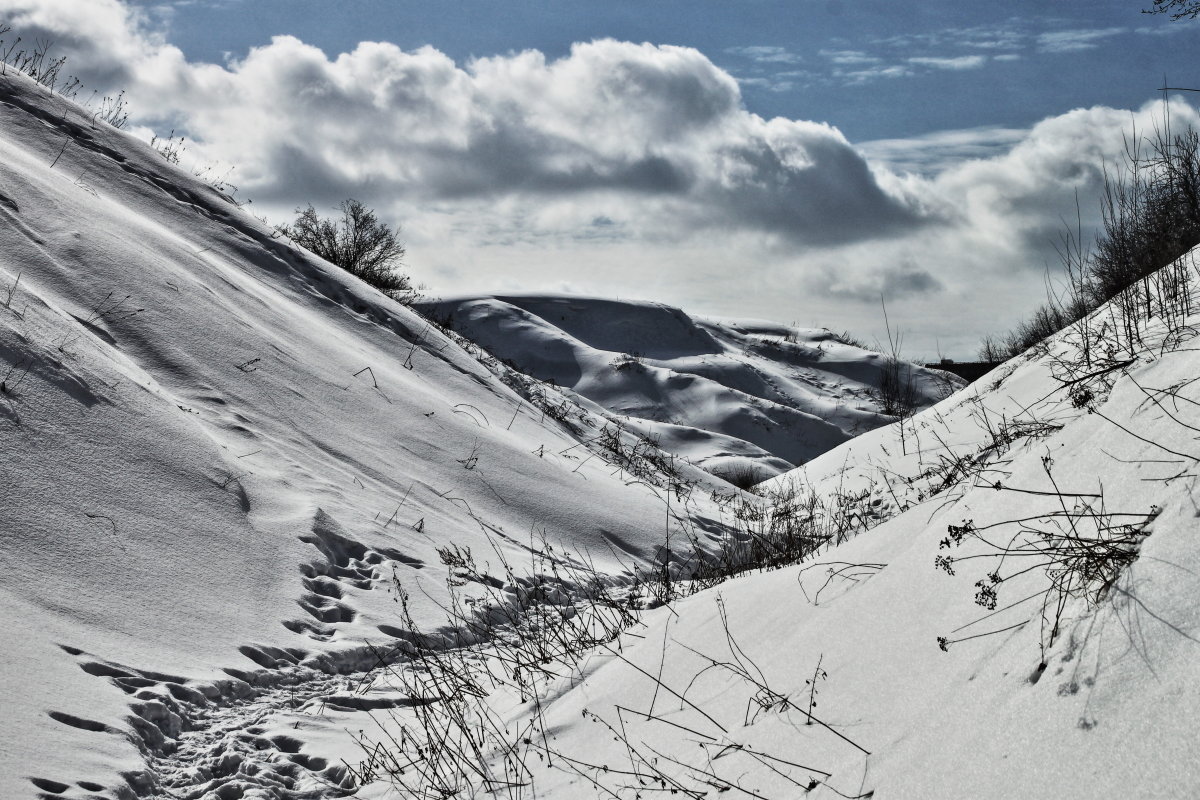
x=869, y=670
x=729, y=395
x=219, y=450
x=1096, y=698
x=1006, y=608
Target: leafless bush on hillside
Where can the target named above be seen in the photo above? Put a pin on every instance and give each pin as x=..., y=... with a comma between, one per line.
x=1150, y=212
x=34, y=61
x=847, y=338
x=741, y=476
x=358, y=242
x=897, y=390
x=169, y=148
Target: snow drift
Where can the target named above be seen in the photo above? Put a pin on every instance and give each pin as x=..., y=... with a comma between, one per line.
x=732, y=396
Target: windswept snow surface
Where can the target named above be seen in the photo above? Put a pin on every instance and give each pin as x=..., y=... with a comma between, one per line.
x=218, y=451
x=729, y=395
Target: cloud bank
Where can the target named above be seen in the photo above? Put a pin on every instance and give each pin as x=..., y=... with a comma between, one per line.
x=657, y=123
x=622, y=168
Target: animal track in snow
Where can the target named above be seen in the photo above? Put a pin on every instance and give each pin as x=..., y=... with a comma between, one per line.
x=210, y=740
x=345, y=564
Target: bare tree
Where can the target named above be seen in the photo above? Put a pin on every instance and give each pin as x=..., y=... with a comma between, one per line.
x=358, y=243
x=1178, y=9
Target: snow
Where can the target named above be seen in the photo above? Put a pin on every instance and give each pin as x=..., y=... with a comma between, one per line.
x=197, y=462
x=722, y=393
x=224, y=461
x=1111, y=715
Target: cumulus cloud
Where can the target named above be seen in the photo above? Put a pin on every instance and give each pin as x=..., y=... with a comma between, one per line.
x=621, y=168
x=659, y=125
x=108, y=39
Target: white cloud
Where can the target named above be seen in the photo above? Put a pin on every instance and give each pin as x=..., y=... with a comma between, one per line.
x=1170, y=28
x=766, y=54
x=775, y=83
x=956, y=63
x=1007, y=35
x=622, y=168
x=1075, y=40
x=652, y=137
x=875, y=73
x=848, y=57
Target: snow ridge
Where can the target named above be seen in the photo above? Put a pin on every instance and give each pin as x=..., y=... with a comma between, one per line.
x=730, y=396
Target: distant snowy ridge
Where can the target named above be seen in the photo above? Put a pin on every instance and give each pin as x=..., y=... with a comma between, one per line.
x=732, y=396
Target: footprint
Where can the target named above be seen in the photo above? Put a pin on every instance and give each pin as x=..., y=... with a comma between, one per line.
x=132, y=685
x=323, y=586
x=101, y=670
x=81, y=723
x=358, y=702
x=105, y=670
x=187, y=694
x=286, y=744
x=345, y=564
x=309, y=628
x=46, y=785
x=394, y=632
x=326, y=610
x=272, y=657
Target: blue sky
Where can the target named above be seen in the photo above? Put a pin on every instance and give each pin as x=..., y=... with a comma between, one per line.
x=791, y=161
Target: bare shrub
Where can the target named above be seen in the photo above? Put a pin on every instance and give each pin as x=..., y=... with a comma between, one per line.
x=1082, y=547
x=1150, y=213
x=897, y=391
x=1178, y=9
x=849, y=339
x=358, y=243
x=743, y=476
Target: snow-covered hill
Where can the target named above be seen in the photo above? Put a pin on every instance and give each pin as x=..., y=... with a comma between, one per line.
x=218, y=451
x=736, y=397
x=1012, y=607
x=266, y=534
